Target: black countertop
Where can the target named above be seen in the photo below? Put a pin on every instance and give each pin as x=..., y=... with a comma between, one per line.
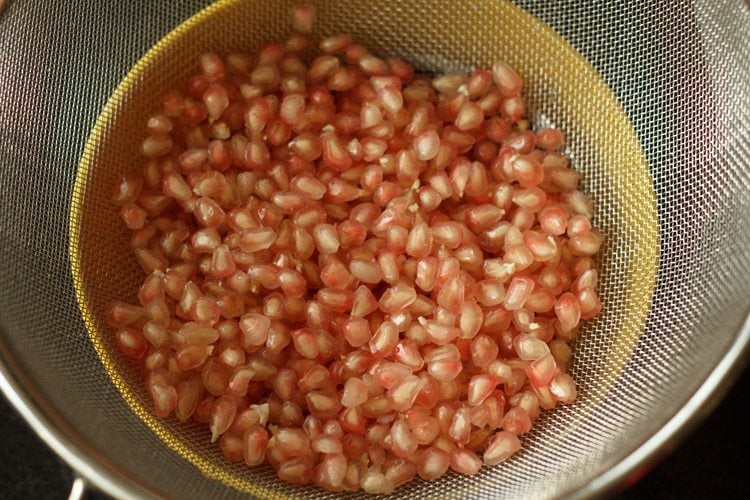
x=709, y=464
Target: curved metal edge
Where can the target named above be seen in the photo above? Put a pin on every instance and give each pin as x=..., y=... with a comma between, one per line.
x=79, y=489
x=40, y=418
x=701, y=404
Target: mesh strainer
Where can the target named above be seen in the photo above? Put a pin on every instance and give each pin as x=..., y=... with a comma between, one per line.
x=654, y=98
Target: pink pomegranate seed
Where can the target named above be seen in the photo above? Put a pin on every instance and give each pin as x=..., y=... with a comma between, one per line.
x=407, y=353
x=589, y=303
x=469, y=117
x=363, y=302
x=451, y=295
x=337, y=43
x=426, y=145
x=291, y=442
x=331, y=472
x=518, y=419
x=216, y=100
x=355, y=393
x=439, y=333
x=449, y=83
x=323, y=405
x=563, y=388
x=376, y=483
x=255, y=444
x=389, y=267
x=366, y=272
x=478, y=83
x=397, y=298
x=134, y=216
x=400, y=471
x=296, y=471
x=156, y=145
x=518, y=292
x=325, y=443
x=403, y=395
x=470, y=319
x=357, y=331
x=403, y=442
x=222, y=415
x=305, y=343
x=197, y=334
x=127, y=189
x=460, y=427
x=550, y=139
x=326, y=238
x=529, y=347
x=292, y=282
x=163, y=394
x=232, y=447
x=427, y=269
x=385, y=339
x=448, y=233
x=506, y=79
x=480, y=388
x=212, y=66
x=568, y=311
x=541, y=371
x=501, y=447
x=419, y=243
x=131, y=343
x=334, y=153
x=336, y=300
x=303, y=16
x=444, y=363
x=433, y=464
x=121, y=314
x=343, y=79
x=465, y=461
x=254, y=329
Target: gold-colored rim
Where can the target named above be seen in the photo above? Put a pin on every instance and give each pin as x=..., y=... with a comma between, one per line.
x=636, y=199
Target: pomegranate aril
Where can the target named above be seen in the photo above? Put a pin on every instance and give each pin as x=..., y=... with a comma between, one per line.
x=397, y=298
x=131, y=343
x=563, y=388
x=355, y=393
x=465, y=461
x=305, y=343
x=384, y=340
x=326, y=238
x=222, y=415
x=433, y=463
x=516, y=421
x=480, y=388
x=460, y=427
x=568, y=311
x=121, y=314
x=500, y=447
x=444, y=363
x=470, y=116
x=403, y=395
x=163, y=395
x=438, y=332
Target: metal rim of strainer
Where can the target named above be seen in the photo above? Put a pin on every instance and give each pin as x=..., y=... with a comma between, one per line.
x=83, y=460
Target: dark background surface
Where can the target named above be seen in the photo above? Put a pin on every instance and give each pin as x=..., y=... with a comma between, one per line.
x=711, y=463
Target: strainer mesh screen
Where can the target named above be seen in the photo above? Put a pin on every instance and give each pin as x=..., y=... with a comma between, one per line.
x=660, y=137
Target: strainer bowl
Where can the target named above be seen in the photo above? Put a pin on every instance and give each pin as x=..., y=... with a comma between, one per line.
x=654, y=100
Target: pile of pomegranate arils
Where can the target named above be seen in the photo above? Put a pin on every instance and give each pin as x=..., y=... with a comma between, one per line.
x=357, y=274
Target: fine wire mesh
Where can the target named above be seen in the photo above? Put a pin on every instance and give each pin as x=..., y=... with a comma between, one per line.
x=680, y=72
